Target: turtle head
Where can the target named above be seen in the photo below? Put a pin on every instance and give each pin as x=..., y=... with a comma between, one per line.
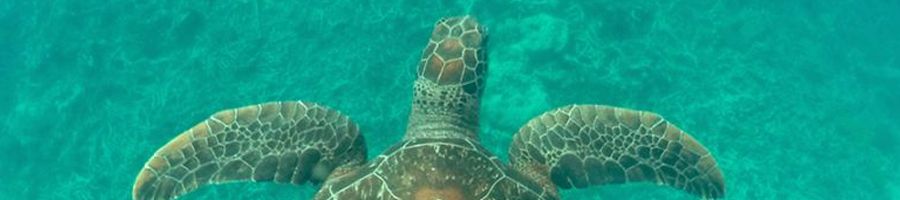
x=455, y=54
x=450, y=80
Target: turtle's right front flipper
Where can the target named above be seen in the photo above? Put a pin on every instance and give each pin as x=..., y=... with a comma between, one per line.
x=286, y=142
x=583, y=145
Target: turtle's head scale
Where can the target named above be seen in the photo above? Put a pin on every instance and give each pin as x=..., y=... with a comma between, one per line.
x=450, y=80
x=455, y=55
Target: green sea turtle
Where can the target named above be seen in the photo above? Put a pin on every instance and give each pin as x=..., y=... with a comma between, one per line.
x=440, y=156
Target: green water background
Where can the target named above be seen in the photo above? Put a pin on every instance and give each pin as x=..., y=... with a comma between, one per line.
x=796, y=99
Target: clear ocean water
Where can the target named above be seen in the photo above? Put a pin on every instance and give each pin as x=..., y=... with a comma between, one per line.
x=796, y=99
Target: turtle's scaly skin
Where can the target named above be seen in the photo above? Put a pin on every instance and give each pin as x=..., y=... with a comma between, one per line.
x=285, y=142
x=450, y=81
x=582, y=145
x=440, y=156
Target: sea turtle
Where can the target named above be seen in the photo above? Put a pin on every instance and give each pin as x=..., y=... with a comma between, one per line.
x=440, y=156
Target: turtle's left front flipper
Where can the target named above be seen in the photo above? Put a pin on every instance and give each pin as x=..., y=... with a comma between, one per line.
x=287, y=142
x=582, y=145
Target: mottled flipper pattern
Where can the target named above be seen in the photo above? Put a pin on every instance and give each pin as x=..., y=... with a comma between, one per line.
x=582, y=145
x=285, y=142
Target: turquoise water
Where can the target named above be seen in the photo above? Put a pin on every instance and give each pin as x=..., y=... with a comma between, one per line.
x=796, y=99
